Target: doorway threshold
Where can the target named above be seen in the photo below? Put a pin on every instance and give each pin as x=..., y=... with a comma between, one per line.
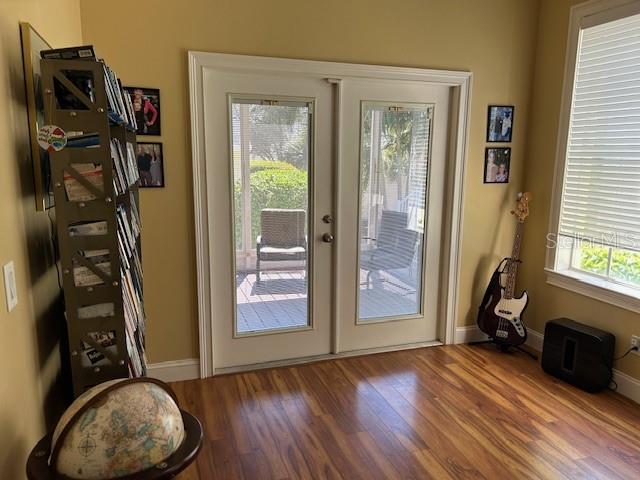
x=320, y=358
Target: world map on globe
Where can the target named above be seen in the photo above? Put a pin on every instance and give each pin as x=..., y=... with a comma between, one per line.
x=124, y=431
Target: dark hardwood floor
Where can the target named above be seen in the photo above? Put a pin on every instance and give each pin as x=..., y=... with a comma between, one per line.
x=439, y=412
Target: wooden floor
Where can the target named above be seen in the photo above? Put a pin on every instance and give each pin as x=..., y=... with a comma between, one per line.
x=439, y=412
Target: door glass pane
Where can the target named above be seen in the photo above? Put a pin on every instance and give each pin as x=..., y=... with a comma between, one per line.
x=270, y=148
x=394, y=162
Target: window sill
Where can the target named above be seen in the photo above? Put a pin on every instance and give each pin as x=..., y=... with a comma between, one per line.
x=612, y=293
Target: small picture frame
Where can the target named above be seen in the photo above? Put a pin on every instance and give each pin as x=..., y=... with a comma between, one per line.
x=150, y=160
x=500, y=123
x=496, y=164
x=146, y=107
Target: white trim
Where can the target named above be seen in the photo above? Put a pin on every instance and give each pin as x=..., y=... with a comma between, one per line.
x=198, y=61
x=535, y=340
x=469, y=334
x=330, y=70
x=454, y=214
x=337, y=206
x=628, y=386
x=329, y=356
x=201, y=216
x=578, y=14
x=594, y=288
x=175, y=371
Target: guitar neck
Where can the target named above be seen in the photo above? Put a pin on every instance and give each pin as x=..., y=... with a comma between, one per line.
x=512, y=266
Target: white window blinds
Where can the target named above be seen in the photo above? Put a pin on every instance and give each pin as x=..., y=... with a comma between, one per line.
x=601, y=193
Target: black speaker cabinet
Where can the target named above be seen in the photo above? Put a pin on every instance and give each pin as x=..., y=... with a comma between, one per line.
x=578, y=354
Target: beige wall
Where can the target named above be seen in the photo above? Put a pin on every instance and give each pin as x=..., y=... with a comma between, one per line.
x=495, y=39
x=550, y=302
x=30, y=395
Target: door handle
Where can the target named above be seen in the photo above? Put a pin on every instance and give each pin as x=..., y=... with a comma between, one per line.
x=327, y=238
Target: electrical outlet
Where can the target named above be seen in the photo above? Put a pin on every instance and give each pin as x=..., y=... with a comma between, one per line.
x=10, y=290
x=635, y=342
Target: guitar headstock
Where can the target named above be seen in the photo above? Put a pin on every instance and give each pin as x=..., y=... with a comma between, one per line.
x=521, y=211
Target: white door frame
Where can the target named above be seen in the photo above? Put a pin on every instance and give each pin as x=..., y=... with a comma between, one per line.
x=452, y=239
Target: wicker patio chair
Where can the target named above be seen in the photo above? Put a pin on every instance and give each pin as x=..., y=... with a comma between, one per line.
x=282, y=236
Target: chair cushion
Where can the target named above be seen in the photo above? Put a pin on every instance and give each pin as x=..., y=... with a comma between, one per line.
x=286, y=251
x=277, y=253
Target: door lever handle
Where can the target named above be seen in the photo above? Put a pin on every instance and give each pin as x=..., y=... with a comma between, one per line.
x=327, y=238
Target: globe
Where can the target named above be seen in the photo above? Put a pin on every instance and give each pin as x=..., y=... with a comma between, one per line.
x=117, y=428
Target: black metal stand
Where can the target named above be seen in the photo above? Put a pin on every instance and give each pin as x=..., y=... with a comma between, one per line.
x=506, y=348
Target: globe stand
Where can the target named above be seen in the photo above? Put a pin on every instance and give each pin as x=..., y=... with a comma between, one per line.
x=38, y=461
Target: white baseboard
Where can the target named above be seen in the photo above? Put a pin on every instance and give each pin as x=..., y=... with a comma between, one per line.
x=469, y=334
x=627, y=385
x=175, y=371
x=535, y=340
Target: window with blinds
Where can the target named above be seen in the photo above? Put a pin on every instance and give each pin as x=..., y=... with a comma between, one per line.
x=600, y=207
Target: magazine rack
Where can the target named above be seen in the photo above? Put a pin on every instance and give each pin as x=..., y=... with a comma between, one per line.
x=104, y=311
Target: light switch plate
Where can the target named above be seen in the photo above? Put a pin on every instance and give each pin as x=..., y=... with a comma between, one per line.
x=10, y=290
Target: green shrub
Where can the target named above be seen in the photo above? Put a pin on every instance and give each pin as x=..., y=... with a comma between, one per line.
x=259, y=165
x=625, y=265
x=594, y=259
x=274, y=184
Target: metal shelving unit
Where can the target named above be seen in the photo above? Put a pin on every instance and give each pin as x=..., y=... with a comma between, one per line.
x=90, y=114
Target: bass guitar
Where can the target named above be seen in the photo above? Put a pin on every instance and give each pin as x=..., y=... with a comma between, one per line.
x=500, y=313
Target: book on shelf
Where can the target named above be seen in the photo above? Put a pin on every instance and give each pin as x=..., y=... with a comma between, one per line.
x=126, y=169
x=97, y=310
x=120, y=109
x=76, y=191
x=128, y=228
x=132, y=164
x=118, y=177
x=84, y=52
x=91, y=357
x=82, y=140
x=83, y=276
x=135, y=215
x=88, y=228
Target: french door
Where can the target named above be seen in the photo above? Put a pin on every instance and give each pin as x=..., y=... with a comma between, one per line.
x=391, y=191
x=269, y=173
x=324, y=200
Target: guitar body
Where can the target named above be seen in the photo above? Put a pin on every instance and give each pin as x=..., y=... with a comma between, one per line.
x=501, y=318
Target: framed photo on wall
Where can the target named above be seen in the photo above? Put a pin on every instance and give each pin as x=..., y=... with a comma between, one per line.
x=496, y=164
x=500, y=123
x=146, y=105
x=150, y=164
